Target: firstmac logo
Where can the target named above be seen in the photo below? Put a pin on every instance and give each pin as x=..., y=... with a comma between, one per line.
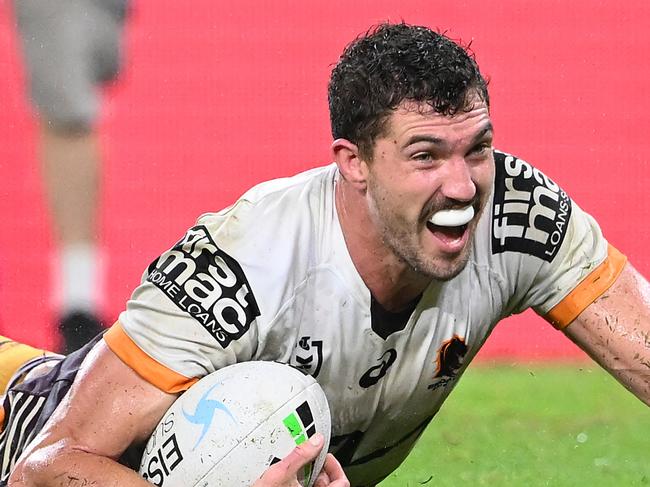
x=531, y=212
x=208, y=284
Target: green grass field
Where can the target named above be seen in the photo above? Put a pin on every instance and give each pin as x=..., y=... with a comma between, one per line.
x=533, y=425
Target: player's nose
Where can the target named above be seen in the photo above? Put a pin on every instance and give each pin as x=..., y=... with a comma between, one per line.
x=458, y=184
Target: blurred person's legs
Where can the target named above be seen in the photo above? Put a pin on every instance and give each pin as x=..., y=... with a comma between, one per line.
x=71, y=47
x=71, y=175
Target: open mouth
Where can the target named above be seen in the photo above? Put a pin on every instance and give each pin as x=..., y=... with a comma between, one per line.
x=447, y=234
x=450, y=226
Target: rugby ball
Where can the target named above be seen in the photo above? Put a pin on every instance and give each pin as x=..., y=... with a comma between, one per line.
x=230, y=426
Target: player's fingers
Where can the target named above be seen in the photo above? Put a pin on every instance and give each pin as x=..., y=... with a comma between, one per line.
x=322, y=480
x=302, y=454
x=284, y=473
x=332, y=474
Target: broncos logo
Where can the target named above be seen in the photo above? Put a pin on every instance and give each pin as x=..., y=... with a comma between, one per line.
x=451, y=356
x=204, y=413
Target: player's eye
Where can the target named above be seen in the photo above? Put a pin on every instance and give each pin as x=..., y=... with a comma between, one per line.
x=422, y=156
x=481, y=149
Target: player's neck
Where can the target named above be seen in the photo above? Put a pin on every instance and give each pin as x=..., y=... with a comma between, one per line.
x=391, y=281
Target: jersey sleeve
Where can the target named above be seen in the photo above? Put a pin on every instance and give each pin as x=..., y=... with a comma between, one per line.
x=194, y=312
x=583, y=269
x=588, y=290
x=553, y=253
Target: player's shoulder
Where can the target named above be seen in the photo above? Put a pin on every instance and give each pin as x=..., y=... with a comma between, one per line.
x=276, y=203
x=296, y=186
x=275, y=229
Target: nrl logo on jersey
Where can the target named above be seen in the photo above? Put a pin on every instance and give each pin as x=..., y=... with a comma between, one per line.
x=451, y=356
x=206, y=283
x=308, y=356
x=530, y=213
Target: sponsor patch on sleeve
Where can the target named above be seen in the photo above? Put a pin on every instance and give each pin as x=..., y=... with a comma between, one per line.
x=531, y=212
x=208, y=284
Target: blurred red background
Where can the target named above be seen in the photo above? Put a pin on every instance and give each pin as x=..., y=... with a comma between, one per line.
x=215, y=98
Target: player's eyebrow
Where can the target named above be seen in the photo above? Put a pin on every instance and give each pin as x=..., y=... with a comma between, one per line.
x=486, y=130
x=424, y=138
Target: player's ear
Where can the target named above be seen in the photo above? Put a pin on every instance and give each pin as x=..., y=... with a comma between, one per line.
x=351, y=165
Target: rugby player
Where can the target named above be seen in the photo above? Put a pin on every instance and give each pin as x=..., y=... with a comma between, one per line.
x=381, y=275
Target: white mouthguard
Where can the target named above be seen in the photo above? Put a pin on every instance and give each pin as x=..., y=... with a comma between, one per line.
x=453, y=218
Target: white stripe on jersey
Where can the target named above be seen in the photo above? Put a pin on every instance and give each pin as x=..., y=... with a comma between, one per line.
x=24, y=409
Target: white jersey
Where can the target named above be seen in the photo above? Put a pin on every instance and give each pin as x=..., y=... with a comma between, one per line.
x=270, y=278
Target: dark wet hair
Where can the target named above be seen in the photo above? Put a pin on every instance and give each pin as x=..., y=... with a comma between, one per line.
x=392, y=63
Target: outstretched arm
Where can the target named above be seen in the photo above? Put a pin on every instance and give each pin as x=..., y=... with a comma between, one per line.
x=615, y=331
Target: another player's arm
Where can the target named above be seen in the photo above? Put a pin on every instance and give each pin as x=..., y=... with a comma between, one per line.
x=615, y=331
x=108, y=408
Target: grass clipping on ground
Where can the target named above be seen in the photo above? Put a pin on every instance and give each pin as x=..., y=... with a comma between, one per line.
x=533, y=426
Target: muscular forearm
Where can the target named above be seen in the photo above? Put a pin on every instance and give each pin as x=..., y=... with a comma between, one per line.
x=615, y=331
x=630, y=365
x=57, y=466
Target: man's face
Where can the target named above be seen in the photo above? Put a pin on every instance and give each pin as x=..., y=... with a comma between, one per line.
x=425, y=163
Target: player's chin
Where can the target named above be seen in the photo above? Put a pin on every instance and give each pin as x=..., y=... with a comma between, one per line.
x=448, y=270
x=446, y=266
x=443, y=265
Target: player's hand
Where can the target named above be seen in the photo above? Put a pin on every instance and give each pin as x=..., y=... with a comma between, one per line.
x=285, y=472
x=332, y=474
